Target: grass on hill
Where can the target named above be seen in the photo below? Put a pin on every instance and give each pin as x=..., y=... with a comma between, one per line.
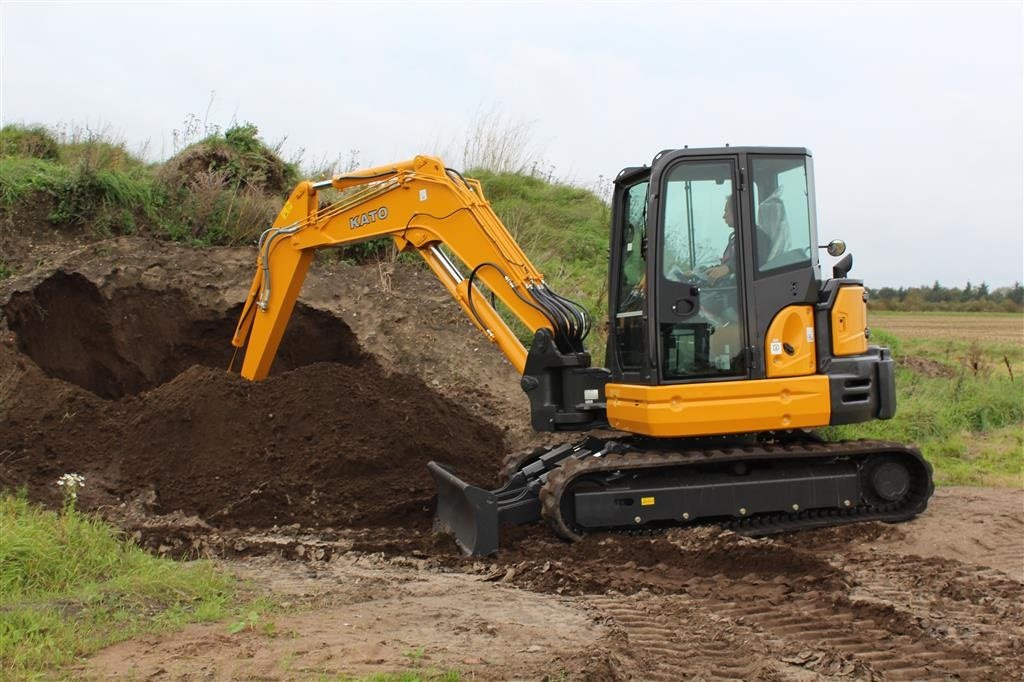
x=221, y=190
x=70, y=585
x=81, y=196
x=33, y=142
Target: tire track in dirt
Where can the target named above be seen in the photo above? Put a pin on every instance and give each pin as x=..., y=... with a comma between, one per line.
x=1002, y=545
x=999, y=546
x=974, y=605
x=875, y=638
x=672, y=638
x=880, y=615
x=828, y=623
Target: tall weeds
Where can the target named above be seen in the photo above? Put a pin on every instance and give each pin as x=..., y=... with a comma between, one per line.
x=497, y=144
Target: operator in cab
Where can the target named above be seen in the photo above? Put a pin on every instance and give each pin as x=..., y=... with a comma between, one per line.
x=719, y=300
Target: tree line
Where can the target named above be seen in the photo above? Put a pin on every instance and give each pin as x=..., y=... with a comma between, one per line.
x=969, y=298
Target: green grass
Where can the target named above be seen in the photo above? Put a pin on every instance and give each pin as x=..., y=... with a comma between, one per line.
x=105, y=201
x=28, y=141
x=20, y=177
x=214, y=193
x=964, y=411
x=70, y=585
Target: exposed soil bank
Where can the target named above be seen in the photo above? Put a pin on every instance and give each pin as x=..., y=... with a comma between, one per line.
x=130, y=390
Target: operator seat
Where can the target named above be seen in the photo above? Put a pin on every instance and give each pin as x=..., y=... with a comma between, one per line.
x=771, y=221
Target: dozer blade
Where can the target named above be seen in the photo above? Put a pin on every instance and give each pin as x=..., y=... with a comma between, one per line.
x=467, y=512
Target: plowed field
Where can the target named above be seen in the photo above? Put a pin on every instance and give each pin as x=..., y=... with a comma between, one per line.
x=988, y=327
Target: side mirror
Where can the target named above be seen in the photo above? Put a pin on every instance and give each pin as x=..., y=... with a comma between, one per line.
x=836, y=247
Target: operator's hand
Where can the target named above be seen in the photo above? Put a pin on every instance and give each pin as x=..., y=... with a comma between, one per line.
x=716, y=273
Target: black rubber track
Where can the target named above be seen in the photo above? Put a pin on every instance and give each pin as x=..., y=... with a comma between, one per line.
x=556, y=505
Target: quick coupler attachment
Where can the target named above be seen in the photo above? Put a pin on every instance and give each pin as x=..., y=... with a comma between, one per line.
x=474, y=515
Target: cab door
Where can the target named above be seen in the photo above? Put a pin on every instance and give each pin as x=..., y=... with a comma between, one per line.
x=780, y=205
x=627, y=356
x=700, y=325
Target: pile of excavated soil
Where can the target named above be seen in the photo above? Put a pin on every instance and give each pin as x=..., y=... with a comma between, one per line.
x=130, y=390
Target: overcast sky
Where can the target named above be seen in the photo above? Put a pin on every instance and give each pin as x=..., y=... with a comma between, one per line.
x=913, y=111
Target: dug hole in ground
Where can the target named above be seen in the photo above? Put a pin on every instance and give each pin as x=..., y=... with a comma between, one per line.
x=313, y=485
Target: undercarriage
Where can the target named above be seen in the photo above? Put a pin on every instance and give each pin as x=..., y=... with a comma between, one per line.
x=755, y=487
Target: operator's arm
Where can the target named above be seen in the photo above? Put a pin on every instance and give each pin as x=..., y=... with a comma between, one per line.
x=717, y=272
x=422, y=206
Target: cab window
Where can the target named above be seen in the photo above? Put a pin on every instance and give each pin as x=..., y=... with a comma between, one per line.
x=632, y=294
x=781, y=210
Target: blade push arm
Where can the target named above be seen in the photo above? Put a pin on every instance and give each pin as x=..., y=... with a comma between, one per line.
x=421, y=205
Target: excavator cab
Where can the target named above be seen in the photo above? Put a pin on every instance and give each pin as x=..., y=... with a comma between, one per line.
x=725, y=237
x=719, y=319
x=715, y=281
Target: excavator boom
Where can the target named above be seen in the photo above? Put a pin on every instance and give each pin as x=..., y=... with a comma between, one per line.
x=426, y=208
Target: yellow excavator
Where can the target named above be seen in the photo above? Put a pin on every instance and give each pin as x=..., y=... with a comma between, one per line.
x=725, y=346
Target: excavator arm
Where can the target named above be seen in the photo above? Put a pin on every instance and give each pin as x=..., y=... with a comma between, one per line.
x=423, y=206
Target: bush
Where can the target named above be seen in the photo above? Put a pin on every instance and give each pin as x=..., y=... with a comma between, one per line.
x=210, y=210
x=107, y=201
x=99, y=154
x=35, y=142
x=243, y=159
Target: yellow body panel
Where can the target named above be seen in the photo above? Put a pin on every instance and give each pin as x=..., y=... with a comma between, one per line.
x=720, y=407
x=791, y=330
x=849, y=322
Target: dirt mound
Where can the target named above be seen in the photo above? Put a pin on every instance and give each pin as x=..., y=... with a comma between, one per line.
x=323, y=445
x=331, y=440
x=238, y=156
x=926, y=366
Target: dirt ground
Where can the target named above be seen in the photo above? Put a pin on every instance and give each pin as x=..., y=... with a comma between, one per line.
x=919, y=601
x=312, y=486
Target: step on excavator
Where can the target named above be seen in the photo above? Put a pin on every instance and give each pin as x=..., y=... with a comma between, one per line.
x=726, y=347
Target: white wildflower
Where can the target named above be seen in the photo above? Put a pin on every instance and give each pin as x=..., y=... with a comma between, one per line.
x=71, y=481
x=71, y=484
